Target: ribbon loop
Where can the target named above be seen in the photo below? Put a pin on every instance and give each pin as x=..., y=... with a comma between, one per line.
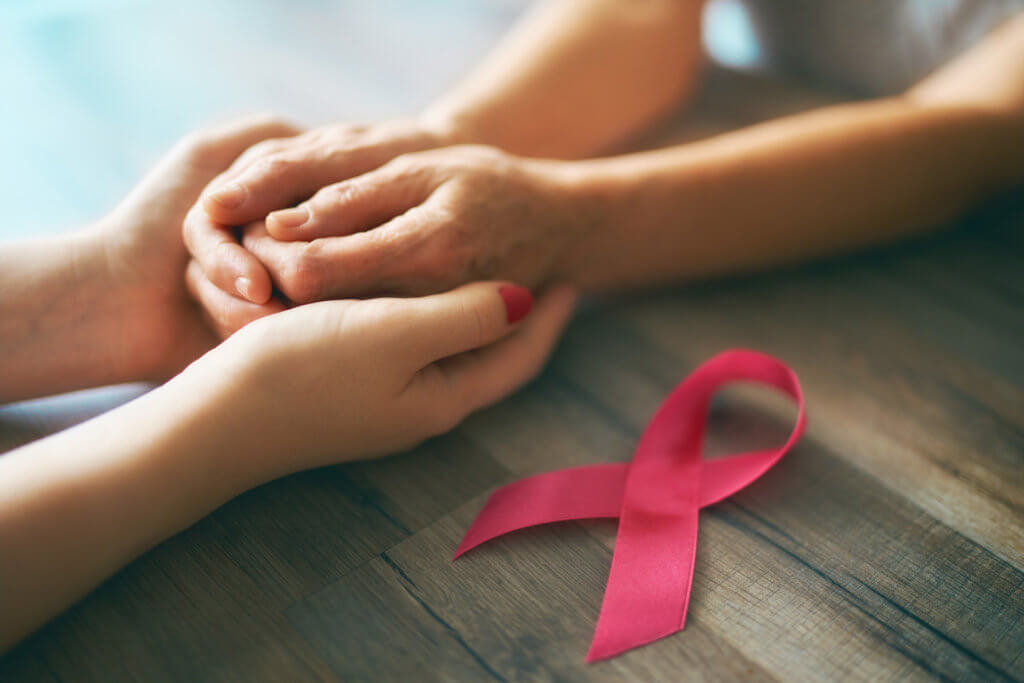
x=656, y=497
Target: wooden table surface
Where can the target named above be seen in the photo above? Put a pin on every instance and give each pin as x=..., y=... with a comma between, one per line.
x=888, y=545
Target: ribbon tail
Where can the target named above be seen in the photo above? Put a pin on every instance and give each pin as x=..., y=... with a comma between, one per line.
x=589, y=492
x=648, y=589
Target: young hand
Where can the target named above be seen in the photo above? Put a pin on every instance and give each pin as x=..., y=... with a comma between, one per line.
x=276, y=174
x=340, y=380
x=143, y=257
x=315, y=385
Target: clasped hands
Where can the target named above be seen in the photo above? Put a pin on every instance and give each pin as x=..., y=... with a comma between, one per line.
x=393, y=209
x=304, y=375
x=349, y=330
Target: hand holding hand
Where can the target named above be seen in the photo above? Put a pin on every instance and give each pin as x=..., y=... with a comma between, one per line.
x=312, y=386
x=341, y=380
x=276, y=174
x=422, y=223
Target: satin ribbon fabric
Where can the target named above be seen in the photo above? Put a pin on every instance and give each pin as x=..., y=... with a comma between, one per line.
x=656, y=498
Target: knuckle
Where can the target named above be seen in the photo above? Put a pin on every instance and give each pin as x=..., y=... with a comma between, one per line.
x=273, y=166
x=263, y=151
x=342, y=193
x=267, y=147
x=257, y=151
x=442, y=265
x=447, y=256
x=325, y=137
x=219, y=257
x=345, y=133
x=405, y=162
x=301, y=278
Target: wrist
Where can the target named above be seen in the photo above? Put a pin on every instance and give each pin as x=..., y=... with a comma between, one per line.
x=240, y=419
x=592, y=199
x=54, y=318
x=130, y=303
x=208, y=416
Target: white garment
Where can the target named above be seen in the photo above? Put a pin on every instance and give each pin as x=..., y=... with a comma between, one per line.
x=869, y=46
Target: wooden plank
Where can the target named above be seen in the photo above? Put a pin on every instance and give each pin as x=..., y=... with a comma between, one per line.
x=294, y=536
x=372, y=626
x=185, y=611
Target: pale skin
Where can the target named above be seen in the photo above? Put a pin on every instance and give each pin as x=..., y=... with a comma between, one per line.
x=508, y=189
x=311, y=386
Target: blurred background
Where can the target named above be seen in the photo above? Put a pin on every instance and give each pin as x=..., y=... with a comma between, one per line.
x=93, y=91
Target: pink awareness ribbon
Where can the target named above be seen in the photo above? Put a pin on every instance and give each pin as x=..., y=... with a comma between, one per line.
x=656, y=498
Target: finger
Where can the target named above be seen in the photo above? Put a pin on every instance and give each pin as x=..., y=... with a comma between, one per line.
x=277, y=181
x=223, y=260
x=261, y=149
x=224, y=312
x=462, y=319
x=470, y=381
x=375, y=262
x=353, y=205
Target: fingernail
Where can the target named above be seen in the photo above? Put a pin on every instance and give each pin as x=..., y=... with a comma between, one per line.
x=518, y=302
x=290, y=218
x=229, y=196
x=244, y=285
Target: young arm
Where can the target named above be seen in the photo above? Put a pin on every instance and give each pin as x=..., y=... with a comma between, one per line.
x=312, y=386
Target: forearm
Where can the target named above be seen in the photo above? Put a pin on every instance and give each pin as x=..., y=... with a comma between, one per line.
x=54, y=318
x=834, y=179
x=577, y=75
x=79, y=505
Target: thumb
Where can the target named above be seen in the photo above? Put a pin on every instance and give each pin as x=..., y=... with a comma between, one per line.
x=464, y=318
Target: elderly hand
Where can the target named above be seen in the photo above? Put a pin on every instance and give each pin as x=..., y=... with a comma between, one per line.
x=276, y=174
x=423, y=223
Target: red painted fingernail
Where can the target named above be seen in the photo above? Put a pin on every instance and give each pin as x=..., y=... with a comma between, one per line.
x=518, y=302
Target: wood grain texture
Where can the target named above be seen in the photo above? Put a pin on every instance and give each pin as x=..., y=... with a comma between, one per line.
x=889, y=545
